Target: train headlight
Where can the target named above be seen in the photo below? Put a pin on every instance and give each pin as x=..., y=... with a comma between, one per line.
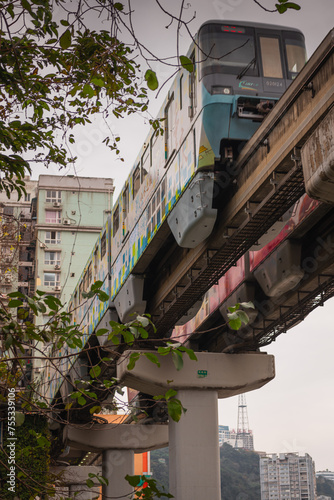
x=219, y=89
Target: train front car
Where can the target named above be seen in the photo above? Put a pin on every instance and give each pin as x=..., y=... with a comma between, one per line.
x=243, y=70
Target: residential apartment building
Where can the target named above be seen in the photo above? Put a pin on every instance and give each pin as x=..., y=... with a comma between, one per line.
x=17, y=247
x=287, y=476
x=70, y=214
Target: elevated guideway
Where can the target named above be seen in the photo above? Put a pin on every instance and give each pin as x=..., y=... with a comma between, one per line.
x=269, y=181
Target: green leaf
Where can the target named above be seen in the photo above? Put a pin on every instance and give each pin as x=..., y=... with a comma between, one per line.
x=42, y=441
x=95, y=371
x=151, y=79
x=98, y=82
x=170, y=393
x=95, y=409
x=132, y=361
x=15, y=303
x=283, y=7
x=187, y=63
x=65, y=40
x=235, y=324
x=90, y=483
x=118, y=6
x=243, y=317
x=175, y=409
x=88, y=91
x=81, y=400
x=152, y=357
x=247, y=305
x=101, y=331
x=64, y=22
x=19, y=418
x=133, y=480
x=9, y=341
x=177, y=360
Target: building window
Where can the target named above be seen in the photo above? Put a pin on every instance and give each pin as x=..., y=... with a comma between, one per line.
x=27, y=197
x=52, y=237
x=52, y=258
x=51, y=279
x=53, y=216
x=53, y=196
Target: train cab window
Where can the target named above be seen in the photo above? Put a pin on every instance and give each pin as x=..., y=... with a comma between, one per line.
x=136, y=181
x=227, y=49
x=115, y=220
x=295, y=54
x=271, y=57
x=145, y=162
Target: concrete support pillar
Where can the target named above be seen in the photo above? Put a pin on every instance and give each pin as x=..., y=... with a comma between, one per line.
x=193, y=441
x=194, y=467
x=118, y=442
x=116, y=464
x=83, y=492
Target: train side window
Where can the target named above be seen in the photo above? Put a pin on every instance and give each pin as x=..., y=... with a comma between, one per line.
x=103, y=245
x=192, y=88
x=96, y=258
x=180, y=88
x=169, y=127
x=163, y=195
x=136, y=181
x=115, y=220
x=145, y=162
x=125, y=202
x=271, y=57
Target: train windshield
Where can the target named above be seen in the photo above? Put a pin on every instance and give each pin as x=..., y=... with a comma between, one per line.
x=228, y=50
x=295, y=53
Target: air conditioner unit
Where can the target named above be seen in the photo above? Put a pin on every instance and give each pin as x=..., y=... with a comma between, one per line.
x=66, y=221
x=57, y=288
x=56, y=204
x=42, y=245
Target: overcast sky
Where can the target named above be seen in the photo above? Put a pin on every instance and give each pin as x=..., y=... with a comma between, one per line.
x=295, y=412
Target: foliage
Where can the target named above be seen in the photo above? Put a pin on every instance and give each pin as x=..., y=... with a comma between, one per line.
x=146, y=487
x=32, y=458
x=240, y=472
x=325, y=487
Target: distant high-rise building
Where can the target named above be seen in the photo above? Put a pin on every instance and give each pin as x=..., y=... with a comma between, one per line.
x=327, y=474
x=287, y=476
x=229, y=436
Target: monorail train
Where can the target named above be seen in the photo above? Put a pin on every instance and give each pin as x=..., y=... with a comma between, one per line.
x=240, y=70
